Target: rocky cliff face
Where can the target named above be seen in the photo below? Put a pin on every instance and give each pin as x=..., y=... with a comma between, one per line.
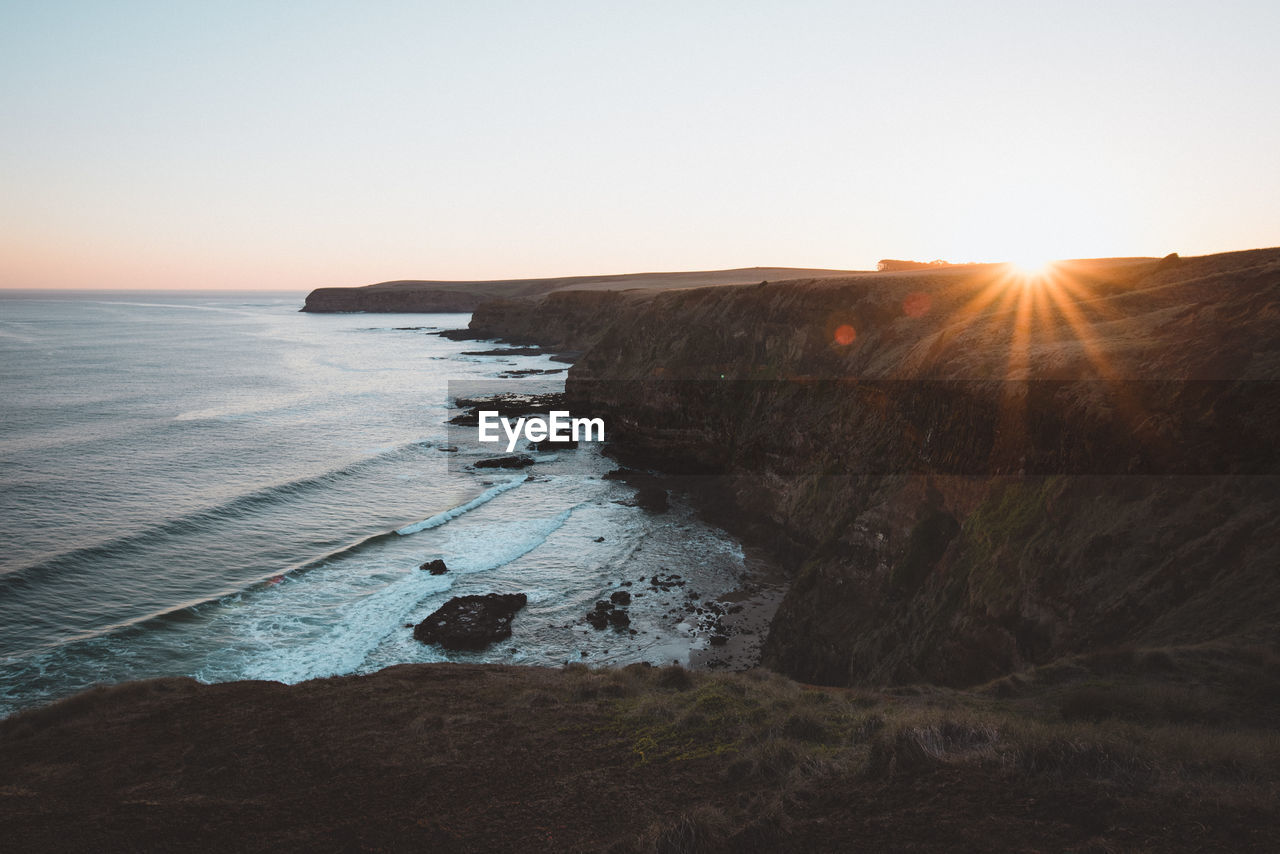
x=970, y=472
x=565, y=320
x=325, y=300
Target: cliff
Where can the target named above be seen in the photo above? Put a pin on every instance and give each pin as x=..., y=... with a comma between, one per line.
x=971, y=472
x=567, y=320
x=413, y=295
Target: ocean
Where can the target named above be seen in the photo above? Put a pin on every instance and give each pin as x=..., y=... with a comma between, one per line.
x=219, y=486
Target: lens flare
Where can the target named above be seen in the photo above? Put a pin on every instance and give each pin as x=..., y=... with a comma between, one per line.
x=916, y=304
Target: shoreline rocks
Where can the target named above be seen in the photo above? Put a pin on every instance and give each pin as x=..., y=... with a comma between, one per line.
x=514, y=461
x=471, y=622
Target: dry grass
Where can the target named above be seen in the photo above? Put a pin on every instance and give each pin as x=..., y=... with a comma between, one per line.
x=1105, y=753
x=1157, y=724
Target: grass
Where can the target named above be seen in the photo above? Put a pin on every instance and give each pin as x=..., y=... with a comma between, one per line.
x=1008, y=517
x=1162, y=722
x=1127, y=749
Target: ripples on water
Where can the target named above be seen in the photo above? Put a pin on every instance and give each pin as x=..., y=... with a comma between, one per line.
x=210, y=485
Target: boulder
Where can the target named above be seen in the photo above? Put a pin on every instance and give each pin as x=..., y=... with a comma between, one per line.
x=652, y=498
x=514, y=461
x=435, y=567
x=552, y=445
x=620, y=597
x=471, y=622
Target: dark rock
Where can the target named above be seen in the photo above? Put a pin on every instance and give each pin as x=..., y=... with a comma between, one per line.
x=658, y=582
x=435, y=567
x=506, y=351
x=460, y=335
x=471, y=622
x=553, y=445
x=514, y=461
x=719, y=640
x=619, y=618
x=620, y=597
x=652, y=499
x=599, y=539
x=598, y=619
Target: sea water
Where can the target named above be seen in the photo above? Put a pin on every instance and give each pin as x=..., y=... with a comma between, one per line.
x=221, y=487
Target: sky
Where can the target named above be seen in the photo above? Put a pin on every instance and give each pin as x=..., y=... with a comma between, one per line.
x=300, y=145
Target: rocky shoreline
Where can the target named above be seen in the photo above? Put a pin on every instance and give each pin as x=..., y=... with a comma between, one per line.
x=722, y=629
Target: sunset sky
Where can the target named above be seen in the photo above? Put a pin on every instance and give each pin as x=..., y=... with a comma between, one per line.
x=273, y=145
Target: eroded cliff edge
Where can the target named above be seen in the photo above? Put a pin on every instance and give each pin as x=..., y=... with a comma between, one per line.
x=970, y=471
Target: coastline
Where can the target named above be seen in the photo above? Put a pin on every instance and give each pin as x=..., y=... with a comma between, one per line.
x=1064, y=660
x=712, y=621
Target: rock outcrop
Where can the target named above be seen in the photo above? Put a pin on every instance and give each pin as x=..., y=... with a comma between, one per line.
x=471, y=622
x=567, y=320
x=394, y=297
x=969, y=471
x=512, y=461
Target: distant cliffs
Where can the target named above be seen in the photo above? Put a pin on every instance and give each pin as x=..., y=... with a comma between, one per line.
x=970, y=472
x=459, y=296
x=326, y=300
x=566, y=320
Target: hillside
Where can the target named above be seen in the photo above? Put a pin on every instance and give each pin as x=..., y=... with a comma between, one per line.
x=414, y=295
x=1106, y=754
x=969, y=473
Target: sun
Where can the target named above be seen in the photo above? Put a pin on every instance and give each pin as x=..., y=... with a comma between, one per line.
x=1030, y=267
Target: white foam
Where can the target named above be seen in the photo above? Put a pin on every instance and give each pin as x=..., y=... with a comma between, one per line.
x=440, y=518
x=479, y=549
x=331, y=623
x=358, y=627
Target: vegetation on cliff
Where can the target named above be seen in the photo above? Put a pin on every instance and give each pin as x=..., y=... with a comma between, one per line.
x=971, y=471
x=414, y=295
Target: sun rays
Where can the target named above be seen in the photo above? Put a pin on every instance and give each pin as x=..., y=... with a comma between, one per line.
x=1039, y=306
